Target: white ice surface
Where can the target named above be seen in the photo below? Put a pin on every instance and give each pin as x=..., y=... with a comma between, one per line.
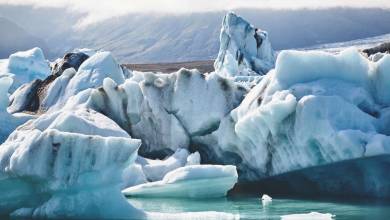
x=66, y=164
x=315, y=108
x=196, y=181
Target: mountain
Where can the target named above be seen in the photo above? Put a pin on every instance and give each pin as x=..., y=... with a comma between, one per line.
x=153, y=38
x=15, y=38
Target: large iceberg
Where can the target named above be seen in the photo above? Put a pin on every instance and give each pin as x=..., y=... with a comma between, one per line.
x=66, y=165
x=194, y=181
x=244, y=50
x=314, y=109
x=164, y=111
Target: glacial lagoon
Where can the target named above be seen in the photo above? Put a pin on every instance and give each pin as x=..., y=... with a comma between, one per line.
x=252, y=208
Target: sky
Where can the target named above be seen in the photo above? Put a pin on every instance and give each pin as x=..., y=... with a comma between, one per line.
x=97, y=10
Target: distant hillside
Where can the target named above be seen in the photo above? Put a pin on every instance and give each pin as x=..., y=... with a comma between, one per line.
x=155, y=38
x=205, y=66
x=14, y=38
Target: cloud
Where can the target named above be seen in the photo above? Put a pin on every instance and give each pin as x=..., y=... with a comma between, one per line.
x=100, y=10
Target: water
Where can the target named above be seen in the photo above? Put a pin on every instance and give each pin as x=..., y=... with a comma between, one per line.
x=252, y=208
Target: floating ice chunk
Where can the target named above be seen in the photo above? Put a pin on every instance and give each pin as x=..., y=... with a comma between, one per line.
x=309, y=216
x=27, y=66
x=266, y=197
x=196, y=181
x=266, y=200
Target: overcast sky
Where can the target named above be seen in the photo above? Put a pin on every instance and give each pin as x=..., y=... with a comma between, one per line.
x=101, y=9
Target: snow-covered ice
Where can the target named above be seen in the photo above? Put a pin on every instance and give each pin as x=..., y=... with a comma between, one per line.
x=195, y=181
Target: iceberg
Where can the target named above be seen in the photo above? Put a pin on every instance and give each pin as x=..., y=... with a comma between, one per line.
x=194, y=181
x=66, y=165
x=70, y=75
x=244, y=50
x=162, y=110
x=313, y=109
x=266, y=198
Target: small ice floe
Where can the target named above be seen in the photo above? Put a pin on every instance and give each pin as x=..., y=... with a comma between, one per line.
x=266, y=197
x=309, y=216
x=266, y=200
